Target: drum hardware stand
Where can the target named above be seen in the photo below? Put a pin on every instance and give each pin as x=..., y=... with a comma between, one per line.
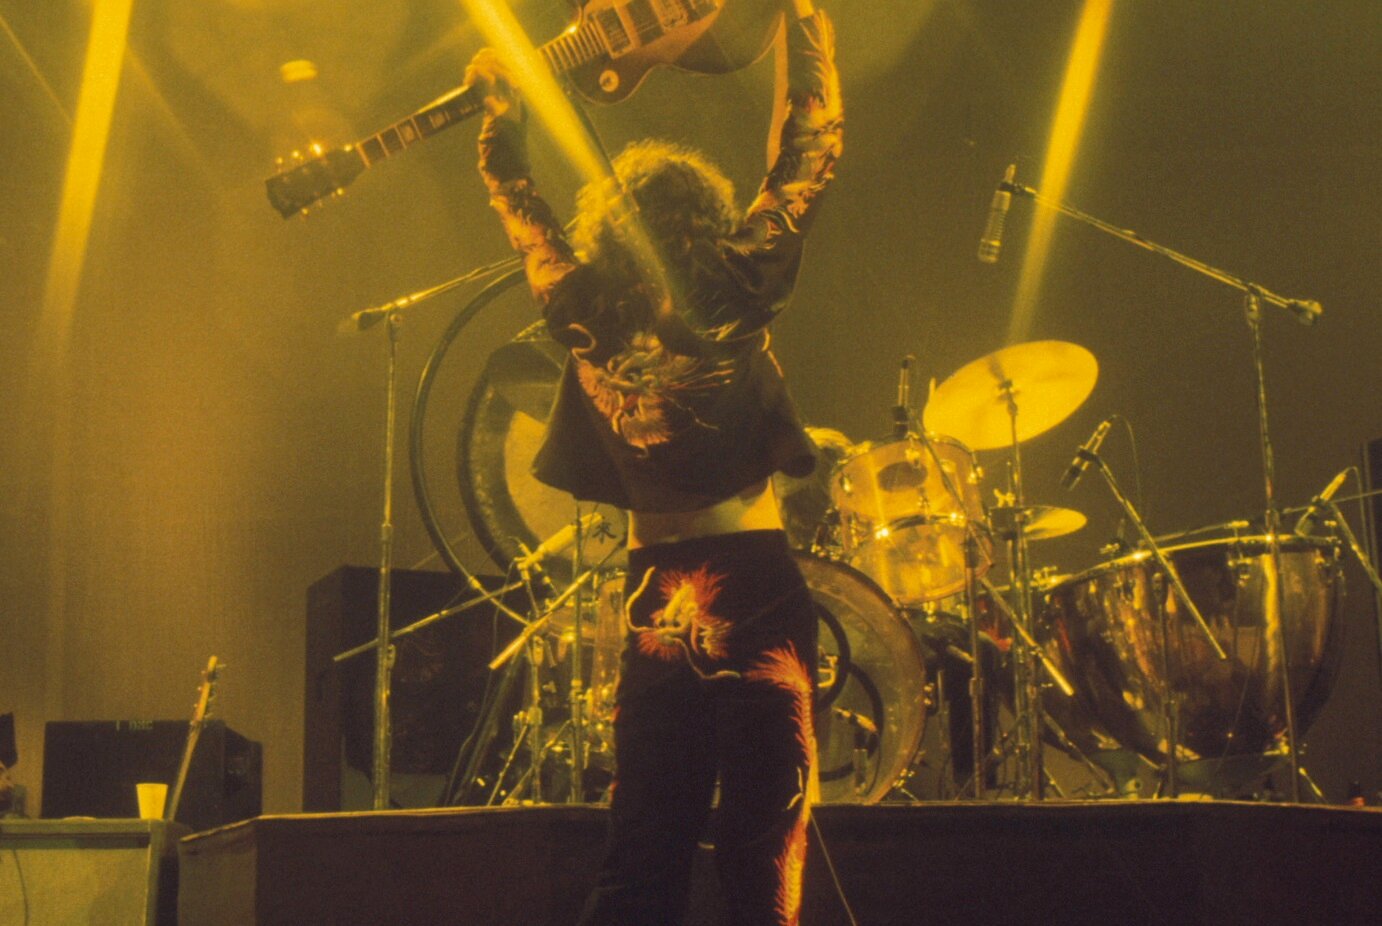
x=531, y=726
x=1027, y=697
x=1306, y=312
x=977, y=680
x=1100, y=775
x=1177, y=587
x=1056, y=675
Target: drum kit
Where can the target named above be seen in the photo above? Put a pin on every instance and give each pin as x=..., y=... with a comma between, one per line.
x=1163, y=662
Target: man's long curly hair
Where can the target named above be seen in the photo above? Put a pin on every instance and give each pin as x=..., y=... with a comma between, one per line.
x=685, y=203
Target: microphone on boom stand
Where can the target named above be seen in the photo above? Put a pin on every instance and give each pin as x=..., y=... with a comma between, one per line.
x=998, y=213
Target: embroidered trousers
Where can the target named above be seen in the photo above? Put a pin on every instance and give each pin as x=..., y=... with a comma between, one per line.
x=717, y=682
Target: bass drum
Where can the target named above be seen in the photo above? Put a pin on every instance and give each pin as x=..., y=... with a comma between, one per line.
x=1102, y=628
x=870, y=706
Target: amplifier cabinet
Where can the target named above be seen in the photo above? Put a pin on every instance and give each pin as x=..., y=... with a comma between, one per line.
x=90, y=769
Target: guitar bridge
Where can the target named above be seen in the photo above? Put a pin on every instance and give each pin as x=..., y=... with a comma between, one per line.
x=628, y=26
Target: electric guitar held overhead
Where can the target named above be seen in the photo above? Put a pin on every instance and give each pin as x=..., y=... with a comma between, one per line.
x=605, y=54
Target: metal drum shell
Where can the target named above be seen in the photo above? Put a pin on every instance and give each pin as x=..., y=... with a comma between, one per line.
x=900, y=525
x=885, y=682
x=1101, y=628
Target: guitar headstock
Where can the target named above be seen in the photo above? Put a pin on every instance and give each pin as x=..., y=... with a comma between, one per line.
x=207, y=692
x=306, y=177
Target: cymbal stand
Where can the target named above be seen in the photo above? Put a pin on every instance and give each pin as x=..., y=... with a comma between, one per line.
x=906, y=426
x=1306, y=312
x=977, y=680
x=1026, y=690
x=1177, y=587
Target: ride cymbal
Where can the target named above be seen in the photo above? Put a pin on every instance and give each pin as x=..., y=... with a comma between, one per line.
x=1042, y=381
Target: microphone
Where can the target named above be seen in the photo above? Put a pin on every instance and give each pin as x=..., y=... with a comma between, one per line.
x=1084, y=454
x=998, y=212
x=1320, y=500
x=901, y=417
x=557, y=542
x=361, y=320
x=1307, y=310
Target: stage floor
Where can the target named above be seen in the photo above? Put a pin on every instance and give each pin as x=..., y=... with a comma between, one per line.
x=1108, y=862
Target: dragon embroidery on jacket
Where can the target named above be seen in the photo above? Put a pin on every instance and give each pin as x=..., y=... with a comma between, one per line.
x=642, y=388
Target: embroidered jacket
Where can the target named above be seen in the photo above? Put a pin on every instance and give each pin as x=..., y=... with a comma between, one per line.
x=678, y=412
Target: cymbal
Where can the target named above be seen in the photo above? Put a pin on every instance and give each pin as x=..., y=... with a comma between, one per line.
x=1046, y=380
x=1047, y=521
x=1043, y=521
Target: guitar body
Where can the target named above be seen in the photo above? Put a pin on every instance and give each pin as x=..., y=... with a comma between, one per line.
x=605, y=54
x=735, y=36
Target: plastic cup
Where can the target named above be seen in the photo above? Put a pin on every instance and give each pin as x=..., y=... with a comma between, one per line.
x=152, y=795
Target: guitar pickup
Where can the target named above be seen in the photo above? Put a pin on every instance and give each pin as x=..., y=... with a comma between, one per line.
x=612, y=30
x=672, y=13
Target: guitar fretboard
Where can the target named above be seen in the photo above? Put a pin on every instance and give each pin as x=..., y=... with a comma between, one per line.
x=566, y=52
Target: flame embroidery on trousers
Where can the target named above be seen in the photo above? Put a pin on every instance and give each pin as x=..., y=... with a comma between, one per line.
x=784, y=669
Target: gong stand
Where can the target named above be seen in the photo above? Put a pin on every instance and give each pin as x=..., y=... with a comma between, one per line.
x=1306, y=311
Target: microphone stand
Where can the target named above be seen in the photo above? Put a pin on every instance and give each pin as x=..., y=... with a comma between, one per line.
x=1355, y=547
x=390, y=314
x=1306, y=312
x=384, y=651
x=1170, y=707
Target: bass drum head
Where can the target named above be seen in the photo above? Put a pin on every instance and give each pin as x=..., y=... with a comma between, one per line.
x=504, y=423
x=871, y=675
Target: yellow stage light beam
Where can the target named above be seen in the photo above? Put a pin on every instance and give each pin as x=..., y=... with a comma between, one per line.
x=33, y=69
x=1076, y=90
x=501, y=30
x=105, y=55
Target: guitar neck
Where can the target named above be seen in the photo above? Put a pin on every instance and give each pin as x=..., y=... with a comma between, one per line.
x=625, y=37
x=566, y=52
x=170, y=810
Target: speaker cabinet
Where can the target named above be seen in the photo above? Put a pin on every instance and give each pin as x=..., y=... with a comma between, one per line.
x=90, y=769
x=438, y=682
x=117, y=872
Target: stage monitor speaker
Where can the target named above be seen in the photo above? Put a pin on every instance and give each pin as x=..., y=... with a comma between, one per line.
x=56, y=873
x=439, y=677
x=90, y=769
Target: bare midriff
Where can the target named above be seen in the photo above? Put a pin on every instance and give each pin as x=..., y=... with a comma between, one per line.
x=753, y=509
